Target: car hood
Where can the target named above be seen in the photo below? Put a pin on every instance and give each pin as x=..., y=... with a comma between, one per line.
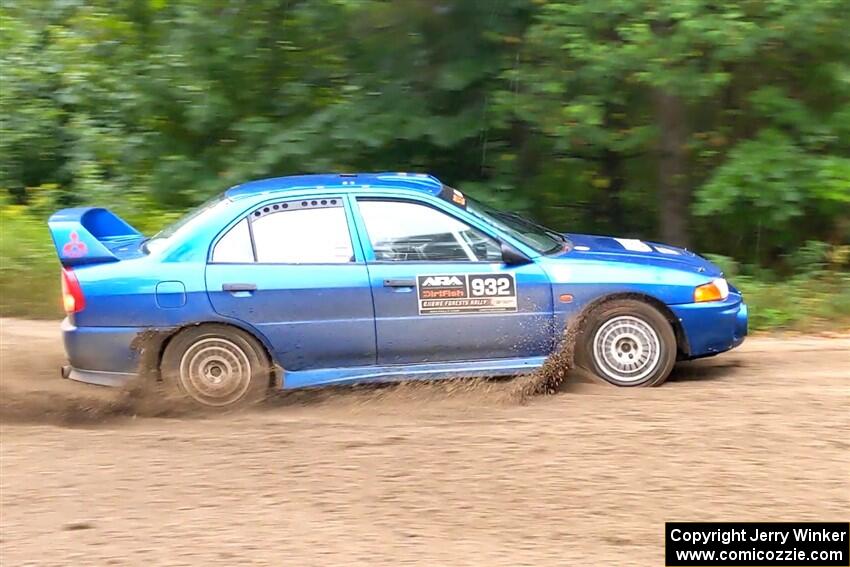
x=631, y=250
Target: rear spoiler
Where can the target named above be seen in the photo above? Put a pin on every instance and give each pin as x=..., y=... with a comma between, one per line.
x=86, y=235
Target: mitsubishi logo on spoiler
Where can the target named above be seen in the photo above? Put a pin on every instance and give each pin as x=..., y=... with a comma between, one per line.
x=75, y=248
x=434, y=281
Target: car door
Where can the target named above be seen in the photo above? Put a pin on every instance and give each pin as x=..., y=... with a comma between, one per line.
x=290, y=270
x=441, y=291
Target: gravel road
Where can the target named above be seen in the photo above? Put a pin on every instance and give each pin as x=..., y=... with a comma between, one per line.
x=418, y=474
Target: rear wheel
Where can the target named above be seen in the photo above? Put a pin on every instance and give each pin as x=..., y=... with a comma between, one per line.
x=216, y=366
x=627, y=343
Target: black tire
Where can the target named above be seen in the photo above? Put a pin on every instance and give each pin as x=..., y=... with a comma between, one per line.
x=216, y=366
x=627, y=342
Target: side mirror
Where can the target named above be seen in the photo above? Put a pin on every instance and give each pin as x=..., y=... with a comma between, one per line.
x=513, y=257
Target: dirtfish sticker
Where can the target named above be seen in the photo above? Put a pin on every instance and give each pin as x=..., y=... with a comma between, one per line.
x=466, y=293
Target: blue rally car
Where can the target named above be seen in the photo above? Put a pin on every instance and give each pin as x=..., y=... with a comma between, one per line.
x=327, y=279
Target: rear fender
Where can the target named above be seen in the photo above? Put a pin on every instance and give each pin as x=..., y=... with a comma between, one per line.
x=151, y=343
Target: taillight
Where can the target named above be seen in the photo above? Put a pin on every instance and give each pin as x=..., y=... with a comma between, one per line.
x=72, y=294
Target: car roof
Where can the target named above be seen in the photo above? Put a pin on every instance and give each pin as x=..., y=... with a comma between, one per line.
x=420, y=182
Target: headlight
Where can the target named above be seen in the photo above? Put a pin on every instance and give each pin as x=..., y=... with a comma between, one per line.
x=715, y=290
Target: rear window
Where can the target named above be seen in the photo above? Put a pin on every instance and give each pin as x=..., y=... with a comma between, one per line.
x=160, y=239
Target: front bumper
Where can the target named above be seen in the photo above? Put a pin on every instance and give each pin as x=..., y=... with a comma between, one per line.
x=713, y=327
x=108, y=356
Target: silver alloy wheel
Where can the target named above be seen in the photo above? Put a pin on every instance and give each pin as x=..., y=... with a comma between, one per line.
x=626, y=349
x=215, y=371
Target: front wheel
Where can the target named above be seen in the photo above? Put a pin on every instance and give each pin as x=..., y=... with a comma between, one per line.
x=627, y=343
x=216, y=366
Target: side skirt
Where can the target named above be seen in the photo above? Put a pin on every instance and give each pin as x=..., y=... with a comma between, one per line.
x=427, y=371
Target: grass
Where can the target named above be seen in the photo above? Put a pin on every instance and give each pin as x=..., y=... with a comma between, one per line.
x=29, y=284
x=29, y=268
x=811, y=302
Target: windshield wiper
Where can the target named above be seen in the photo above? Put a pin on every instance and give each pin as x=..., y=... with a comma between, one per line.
x=558, y=236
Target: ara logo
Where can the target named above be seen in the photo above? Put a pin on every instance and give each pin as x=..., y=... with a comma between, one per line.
x=440, y=281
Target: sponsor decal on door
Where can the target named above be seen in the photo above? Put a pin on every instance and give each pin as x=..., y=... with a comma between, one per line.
x=466, y=293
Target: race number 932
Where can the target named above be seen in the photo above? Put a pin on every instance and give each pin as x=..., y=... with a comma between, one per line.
x=491, y=286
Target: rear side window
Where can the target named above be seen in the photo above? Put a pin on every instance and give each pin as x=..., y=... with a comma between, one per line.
x=310, y=235
x=295, y=232
x=235, y=246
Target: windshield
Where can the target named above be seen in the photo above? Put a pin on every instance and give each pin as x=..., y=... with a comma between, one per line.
x=538, y=237
x=160, y=239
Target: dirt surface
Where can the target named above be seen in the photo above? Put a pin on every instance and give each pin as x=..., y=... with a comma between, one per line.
x=426, y=474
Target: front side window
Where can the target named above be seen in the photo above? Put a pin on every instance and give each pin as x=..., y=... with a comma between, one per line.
x=402, y=231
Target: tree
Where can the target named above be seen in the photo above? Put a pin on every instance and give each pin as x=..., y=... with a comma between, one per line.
x=725, y=125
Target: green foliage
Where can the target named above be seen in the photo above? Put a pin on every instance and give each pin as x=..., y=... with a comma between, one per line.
x=813, y=257
x=29, y=269
x=763, y=93
x=805, y=302
x=572, y=112
x=815, y=296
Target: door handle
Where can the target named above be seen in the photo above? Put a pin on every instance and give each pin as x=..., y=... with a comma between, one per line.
x=400, y=283
x=234, y=287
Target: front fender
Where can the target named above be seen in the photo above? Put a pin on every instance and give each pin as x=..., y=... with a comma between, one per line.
x=578, y=285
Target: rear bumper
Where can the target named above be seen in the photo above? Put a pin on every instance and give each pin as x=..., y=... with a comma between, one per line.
x=98, y=377
x=713, y=327
x=101, y=355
